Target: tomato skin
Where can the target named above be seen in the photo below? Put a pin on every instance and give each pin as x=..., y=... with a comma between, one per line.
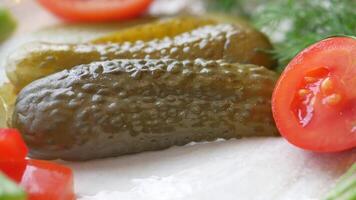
x=42, y=180
x=319, y=124
x=96, y=10
x=12, y=146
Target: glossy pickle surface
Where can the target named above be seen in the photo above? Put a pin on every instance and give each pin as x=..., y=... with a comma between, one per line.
x=158, y=29
x=120, y=107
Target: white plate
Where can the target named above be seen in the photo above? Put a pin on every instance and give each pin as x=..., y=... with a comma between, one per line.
x=253, y=169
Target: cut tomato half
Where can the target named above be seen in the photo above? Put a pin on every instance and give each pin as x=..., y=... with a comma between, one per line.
x=314, y=102
x=96, y=10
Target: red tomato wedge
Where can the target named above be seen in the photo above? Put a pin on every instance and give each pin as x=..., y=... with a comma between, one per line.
x=314, y=102
x=13, y=169
x=96, y=10
x=12, y=147
x=41, y=180
x=44, y=180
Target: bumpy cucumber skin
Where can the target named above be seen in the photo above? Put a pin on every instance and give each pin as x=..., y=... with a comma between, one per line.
x=9, y=190
x=345, y=189
x=120, y=107
x=212, y=42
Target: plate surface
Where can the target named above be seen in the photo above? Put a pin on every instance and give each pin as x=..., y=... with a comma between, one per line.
x=254, y=169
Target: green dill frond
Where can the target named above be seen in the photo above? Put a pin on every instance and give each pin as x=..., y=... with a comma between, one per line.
x=233, y=7
x=293, y=25
x=308, y=21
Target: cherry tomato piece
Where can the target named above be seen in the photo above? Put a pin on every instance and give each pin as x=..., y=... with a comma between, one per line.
x=45, y=180
x=12, y=146
x=42, y=180
x=314, y=102
x=14, y=169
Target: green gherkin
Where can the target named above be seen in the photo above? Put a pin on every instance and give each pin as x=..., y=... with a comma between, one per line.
x=213, y=42
x=120, y=107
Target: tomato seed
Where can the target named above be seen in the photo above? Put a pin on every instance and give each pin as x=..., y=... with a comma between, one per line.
x=309, y=79
x=303, y=92
x=326, y=85
x=332, y=99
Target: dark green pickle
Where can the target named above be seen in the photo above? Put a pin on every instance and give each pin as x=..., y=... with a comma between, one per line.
x=118, y=107
x=212, y=42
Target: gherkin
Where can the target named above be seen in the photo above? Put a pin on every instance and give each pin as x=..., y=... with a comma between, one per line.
x=156, y=30
x=3, y=113
x=7, y=101
x=118, y=107
x=222, y=41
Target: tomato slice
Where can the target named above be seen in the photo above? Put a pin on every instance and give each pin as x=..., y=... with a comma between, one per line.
x=12, y=147
x=314, y=102
x=96, y=10
x=42, y=180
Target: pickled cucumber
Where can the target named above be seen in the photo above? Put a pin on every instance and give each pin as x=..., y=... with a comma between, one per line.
x=120, y=107
x=213, y=42
x=155, y=30
x=7, y=102
x=3, y=113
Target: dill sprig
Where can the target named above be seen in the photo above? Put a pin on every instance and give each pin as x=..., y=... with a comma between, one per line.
x=295, y=24
x=305, y=22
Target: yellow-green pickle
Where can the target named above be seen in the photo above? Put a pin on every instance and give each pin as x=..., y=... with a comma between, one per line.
x=3, y=113
x=228, y=42
x=120, y=107
x=7, y=101
x=156, y=30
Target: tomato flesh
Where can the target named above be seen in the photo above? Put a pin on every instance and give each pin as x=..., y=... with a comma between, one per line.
x=12, y=147
x=45, y=180
x=41, y=180
x=314, y=102
x=96, y=10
